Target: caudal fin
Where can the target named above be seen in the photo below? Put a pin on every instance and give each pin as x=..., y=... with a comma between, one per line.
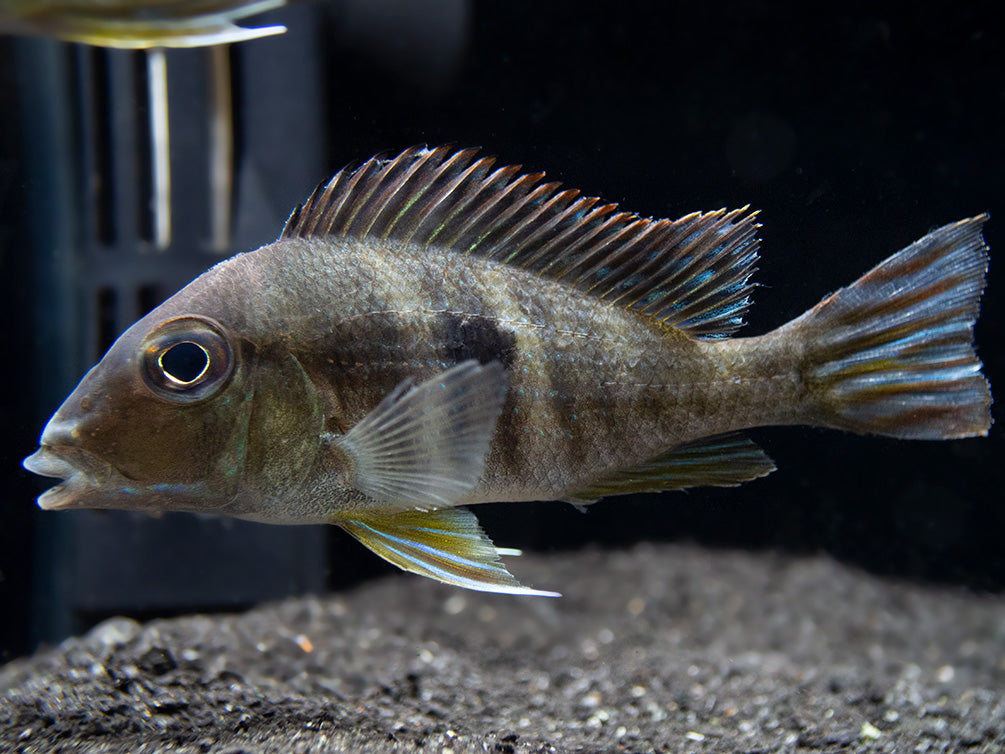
x=893, y=354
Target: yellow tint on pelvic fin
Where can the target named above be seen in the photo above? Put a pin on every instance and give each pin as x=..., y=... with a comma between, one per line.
x=447, y=545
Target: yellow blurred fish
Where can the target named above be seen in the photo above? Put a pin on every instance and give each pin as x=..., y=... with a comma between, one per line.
x=432, y=331
x=137, y=24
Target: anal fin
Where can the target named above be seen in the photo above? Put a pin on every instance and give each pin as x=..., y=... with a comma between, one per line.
x=446, y=545
x=720, y=461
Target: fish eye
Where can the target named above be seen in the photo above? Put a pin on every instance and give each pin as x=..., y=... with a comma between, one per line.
x=186, y=360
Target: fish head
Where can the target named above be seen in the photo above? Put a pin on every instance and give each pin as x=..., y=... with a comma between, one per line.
x=160, y=423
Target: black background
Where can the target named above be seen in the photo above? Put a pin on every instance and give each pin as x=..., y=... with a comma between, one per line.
x=855, y=130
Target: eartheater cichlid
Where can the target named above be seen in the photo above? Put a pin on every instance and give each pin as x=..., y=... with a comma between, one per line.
x=432, y=331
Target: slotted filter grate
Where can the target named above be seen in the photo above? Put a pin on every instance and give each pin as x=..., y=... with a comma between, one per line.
x=117, y=224
x=115, y=212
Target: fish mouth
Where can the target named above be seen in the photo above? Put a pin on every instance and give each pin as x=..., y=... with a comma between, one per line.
x=81, y=472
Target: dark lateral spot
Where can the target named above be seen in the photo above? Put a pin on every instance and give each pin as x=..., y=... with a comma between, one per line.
x=466, y=337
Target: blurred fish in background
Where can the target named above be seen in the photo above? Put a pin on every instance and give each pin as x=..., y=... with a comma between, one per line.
x=137, y=24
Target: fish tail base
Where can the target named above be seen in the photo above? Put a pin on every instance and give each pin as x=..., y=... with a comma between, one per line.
x=893, y=354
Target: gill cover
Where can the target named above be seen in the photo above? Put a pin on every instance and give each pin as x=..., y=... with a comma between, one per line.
x=275, y=419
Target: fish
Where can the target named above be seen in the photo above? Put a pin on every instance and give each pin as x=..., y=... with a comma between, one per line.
x=137, y=24
x=432, y=331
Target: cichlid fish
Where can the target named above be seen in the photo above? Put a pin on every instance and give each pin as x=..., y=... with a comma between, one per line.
x=431, y=331
x=137, y=24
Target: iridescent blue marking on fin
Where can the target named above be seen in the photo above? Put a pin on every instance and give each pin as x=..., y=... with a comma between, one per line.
x=893, y=353
x=691, y=273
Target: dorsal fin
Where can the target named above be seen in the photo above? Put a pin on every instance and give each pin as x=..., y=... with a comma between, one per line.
x=692, y=273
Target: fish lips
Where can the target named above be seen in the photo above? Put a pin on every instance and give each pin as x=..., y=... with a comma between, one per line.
x=82, y=473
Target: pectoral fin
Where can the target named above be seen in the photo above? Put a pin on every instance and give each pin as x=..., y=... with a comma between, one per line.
x=425, y=447
x=447, y=545
x=720, y=461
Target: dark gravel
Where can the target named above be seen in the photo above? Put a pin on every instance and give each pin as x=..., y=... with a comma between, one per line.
x=661, y=648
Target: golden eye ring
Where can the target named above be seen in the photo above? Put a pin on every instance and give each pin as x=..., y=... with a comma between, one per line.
x=186, y=360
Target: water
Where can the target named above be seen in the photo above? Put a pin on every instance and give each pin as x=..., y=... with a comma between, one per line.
x=854, y=135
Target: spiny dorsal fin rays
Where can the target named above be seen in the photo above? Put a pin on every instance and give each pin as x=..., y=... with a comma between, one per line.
x=589, y=237
x=404, y=192
x=428, y=210
x=691, y=273
x=540, y=207
x=497, y=210
x=466, y=178
x=382, y=191
x=626, y=242
x=478, y=192
x=554, y=211
x=313, y=217
x=718, y=268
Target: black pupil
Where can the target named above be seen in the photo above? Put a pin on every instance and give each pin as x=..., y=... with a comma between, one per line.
x=184, y=362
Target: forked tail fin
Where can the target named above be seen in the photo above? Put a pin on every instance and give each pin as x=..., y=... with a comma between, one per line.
x=893, y=354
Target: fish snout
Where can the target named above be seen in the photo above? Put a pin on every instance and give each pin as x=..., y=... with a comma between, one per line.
x=60, y=456
x=60, y=433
